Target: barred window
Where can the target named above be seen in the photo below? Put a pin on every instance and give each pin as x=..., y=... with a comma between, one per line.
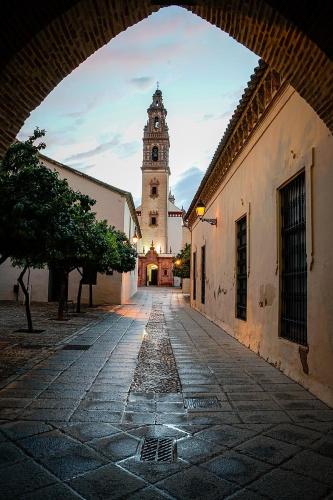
x=241, y=285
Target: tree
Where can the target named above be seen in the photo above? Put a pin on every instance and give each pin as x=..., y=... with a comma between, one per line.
x=102, y=255
x=21, y=186
x=31, y=196
x=110, y=251
x=72, y=240
x=42, y=220
x=182, y=262
x=127, y=253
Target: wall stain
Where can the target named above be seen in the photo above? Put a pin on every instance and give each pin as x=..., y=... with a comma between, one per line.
x=303, y=355
x=267, y=294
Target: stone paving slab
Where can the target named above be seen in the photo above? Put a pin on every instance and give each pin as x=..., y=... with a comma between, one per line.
x=71, y=427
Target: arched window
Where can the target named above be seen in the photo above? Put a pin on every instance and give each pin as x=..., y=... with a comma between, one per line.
x=153, y=191
x=156, y=122
x=154, y=153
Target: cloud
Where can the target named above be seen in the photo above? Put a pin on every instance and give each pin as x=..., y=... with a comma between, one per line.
x=142, y=82
x=83, y=112
x=127, y=149
x=186, y=186
x=101, y=148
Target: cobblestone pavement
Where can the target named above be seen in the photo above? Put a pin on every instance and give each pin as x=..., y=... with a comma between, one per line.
x=156, y=370
x=71, y=428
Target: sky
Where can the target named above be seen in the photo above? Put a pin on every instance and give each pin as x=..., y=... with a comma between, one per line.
x=94, y=118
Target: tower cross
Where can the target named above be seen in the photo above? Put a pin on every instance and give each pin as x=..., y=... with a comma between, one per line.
x=158, y=84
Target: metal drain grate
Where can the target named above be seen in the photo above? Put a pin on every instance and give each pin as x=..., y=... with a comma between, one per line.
x=76, y=347
x=158, y=450
x=202, y=403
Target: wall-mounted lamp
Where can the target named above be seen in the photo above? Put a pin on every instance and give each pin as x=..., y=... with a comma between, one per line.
x=178, y=262
x=135, y=238
x=200, y=210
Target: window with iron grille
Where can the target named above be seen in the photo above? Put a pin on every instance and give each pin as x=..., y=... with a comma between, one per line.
x=203, y=274
x=293, y=261
x=194, y=275
x=241, y=293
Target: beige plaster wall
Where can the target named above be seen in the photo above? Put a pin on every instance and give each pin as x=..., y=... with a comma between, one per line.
x=186, y=236
x=291, y=138
x=186, y=285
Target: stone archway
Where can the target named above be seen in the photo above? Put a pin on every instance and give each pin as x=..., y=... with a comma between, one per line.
x=45, y=42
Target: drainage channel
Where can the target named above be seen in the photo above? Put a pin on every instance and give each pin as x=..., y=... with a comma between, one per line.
x=156, y=370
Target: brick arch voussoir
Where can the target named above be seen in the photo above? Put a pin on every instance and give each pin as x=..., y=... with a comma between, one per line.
x=46, y=59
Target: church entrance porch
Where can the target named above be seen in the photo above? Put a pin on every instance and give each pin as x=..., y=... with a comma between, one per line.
x=155, y=269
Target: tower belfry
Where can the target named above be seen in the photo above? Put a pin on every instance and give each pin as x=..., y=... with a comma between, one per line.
x=156, y=142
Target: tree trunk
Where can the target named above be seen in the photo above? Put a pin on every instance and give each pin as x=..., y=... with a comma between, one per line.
x=27, y=299
x=90, y=296
x=78, y=301
x=63, y=294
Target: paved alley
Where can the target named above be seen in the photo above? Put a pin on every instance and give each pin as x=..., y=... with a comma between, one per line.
x=154, y=401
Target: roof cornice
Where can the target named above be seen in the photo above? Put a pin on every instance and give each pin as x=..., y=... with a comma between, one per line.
x=257, y=98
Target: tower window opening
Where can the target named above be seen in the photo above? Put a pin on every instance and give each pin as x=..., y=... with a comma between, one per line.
x=153, y=221
x=153, y=190
x=156, y=122
x=154, y=154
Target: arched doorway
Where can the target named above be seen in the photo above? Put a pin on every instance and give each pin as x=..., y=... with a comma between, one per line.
x=152, y=275
x=292, y=38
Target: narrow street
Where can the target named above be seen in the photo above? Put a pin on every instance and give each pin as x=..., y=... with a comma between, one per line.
x=155, y=401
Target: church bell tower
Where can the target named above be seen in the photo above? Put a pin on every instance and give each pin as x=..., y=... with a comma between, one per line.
x=155, y=178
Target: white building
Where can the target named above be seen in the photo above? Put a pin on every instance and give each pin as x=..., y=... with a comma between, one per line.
x=117, y=208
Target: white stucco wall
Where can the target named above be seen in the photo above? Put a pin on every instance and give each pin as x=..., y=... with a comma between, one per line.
x=109, y=204
x=290, y=139
x=130, y=279
x=38, y=283
x=175, y=234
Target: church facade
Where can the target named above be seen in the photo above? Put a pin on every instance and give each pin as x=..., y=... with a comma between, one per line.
x=159, y=218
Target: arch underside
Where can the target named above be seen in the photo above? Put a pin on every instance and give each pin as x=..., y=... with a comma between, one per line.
x=55, y=37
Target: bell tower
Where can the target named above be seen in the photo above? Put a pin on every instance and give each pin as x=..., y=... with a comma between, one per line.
x=155, y=178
